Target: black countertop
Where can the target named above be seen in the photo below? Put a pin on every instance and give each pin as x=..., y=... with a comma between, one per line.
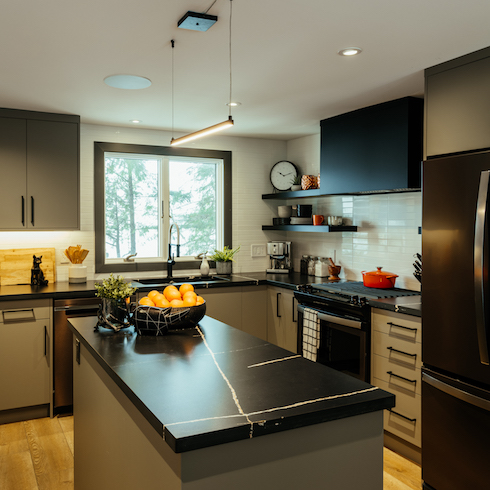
x=410, y=305
x=214, y=384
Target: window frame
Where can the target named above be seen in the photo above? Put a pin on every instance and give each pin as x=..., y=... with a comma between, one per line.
x=99, y=202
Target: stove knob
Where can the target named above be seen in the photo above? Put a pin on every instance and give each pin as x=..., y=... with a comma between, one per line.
x=354, y=300
x=363, y=301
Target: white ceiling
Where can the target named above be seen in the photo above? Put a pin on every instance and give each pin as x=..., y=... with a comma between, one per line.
x=286, y=70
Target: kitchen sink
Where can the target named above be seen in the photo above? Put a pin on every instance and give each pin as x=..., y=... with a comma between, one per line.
x=178, y=280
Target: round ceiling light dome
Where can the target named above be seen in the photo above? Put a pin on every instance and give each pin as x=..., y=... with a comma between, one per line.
x=127, y=82
x=350, y=51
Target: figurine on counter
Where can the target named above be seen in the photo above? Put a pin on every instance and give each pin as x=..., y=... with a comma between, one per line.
x=37, y=275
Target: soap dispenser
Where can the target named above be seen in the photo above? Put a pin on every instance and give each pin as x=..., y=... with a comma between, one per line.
x=204, y=265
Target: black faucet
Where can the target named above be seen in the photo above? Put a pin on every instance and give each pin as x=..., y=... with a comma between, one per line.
x=170, y=259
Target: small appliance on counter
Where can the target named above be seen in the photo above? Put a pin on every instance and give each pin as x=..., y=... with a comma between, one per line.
x=280, y=255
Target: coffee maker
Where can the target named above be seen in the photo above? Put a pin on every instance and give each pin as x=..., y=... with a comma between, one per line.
x=280, y=255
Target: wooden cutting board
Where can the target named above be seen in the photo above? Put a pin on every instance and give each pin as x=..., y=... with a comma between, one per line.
x=16, y=265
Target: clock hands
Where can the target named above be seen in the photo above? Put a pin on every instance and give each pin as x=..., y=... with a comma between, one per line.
x=284, y=175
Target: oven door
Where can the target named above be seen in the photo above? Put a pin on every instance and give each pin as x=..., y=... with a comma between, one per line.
x=344, y=343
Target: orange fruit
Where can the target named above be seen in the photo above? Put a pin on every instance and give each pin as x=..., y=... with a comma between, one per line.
x=177, y=303
x=171, y=294
x=189, y=294
x=199, y=300
x=157, y=297
x=189, y=300
x=146, y=301
x=162, y=302
x=153, y=293
x=184, y=288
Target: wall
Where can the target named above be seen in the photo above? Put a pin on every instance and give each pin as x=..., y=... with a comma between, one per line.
x=387, y=224
x=252, y=161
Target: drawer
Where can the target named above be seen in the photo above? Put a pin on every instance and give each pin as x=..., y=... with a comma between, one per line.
x=397, y=325
x=406, y=423
x=406, y=378
x=20, y=312
x=398, y=351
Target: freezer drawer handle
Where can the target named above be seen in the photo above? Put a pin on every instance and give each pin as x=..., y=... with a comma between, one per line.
x=402, y=416
x=457, y=392
x=401, y=352
x=479, y=267
x=391, y=324
x=391, y=373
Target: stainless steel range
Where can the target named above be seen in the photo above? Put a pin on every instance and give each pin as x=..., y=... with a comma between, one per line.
x=334, y=324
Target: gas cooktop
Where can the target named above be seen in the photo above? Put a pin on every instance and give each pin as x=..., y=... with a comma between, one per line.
x=358, y=288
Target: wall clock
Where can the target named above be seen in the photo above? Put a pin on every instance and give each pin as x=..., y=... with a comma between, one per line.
x=282, y=174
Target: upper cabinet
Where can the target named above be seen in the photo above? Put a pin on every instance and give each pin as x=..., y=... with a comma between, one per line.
x=39, y=161
x=457, y=112
x=374, y=149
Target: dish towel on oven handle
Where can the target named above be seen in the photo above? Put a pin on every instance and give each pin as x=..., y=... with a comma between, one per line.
x=311, y=333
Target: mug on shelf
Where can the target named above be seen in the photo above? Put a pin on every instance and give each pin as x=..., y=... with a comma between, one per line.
x=318, y=219
x=334, y=220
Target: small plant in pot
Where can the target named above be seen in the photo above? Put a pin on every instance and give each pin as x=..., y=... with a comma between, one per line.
x=296, y=183
x=113, y=311
x=224, y=259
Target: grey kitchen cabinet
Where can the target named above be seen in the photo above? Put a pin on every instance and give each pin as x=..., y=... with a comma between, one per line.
x=395, y=367
x=457, y=105
x=25, y=354
x=39, y=161
x=282, y=318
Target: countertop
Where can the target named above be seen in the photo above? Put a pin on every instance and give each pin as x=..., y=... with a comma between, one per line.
x=410, y=305
x=214, y=384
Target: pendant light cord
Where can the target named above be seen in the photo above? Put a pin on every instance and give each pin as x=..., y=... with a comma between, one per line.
x=229, y=103
x=173, y=46
x=209, y=8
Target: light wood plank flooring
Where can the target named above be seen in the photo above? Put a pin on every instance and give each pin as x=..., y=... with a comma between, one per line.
x=38, y=455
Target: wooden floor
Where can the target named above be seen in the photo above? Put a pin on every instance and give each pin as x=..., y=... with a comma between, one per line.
x=38, y=455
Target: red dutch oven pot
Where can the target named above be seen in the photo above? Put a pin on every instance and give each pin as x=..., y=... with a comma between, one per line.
x=379, y=279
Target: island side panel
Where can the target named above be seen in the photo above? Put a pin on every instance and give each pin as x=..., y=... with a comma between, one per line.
x=116, y=447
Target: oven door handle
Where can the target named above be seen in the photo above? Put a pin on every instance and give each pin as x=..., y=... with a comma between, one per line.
x=329, y=317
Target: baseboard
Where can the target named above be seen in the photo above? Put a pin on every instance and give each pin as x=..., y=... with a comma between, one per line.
x=25, y=413
x=398, y=445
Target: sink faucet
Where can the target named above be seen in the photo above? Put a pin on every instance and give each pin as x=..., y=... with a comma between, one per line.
x=130, y=258
x=170, y=259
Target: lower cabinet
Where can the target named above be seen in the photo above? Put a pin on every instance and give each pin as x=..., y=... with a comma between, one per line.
x=25, y=353
x=282, y=318
x=395, y=367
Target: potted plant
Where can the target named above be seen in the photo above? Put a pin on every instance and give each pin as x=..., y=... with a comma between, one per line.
x=115, y=293
x=296, y=183
x=223, y=259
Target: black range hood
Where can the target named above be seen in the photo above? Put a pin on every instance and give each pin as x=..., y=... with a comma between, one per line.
x=376, y=149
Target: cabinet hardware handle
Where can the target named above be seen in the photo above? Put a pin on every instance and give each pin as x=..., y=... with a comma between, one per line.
x=77, y=351
x=401, y=352
x=45, y=340
x=277, y=305
x=163, y=209
x=391, y=373
x=294, y=321
x=32, y=211
x=402, y=416
x=391, y=324
x=23, y=211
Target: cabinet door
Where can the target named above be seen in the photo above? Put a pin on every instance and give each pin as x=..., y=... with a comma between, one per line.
x=52, y=175
x=458, y=106
x=282, y=319
x=24, y=364
x=290, y=321
x=13, y=173
x=224, y=304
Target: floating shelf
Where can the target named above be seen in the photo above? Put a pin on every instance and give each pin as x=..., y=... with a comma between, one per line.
x=310, y=228
x=292, y=194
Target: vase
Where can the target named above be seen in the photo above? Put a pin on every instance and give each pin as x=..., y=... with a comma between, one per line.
x=223, y=267
x=296, y=187
x=113, y=313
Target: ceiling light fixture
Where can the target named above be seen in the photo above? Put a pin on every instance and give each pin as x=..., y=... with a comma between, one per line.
x=350, y=51
x=211, y=129
x=127, y=82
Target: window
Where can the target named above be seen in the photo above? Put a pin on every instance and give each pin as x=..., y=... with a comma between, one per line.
x=152, y=201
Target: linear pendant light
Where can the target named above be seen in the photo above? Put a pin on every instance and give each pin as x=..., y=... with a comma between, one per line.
x=211, y=129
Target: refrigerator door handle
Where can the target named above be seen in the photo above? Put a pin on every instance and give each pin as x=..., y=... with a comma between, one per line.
x=479, y=267
x=457, y=392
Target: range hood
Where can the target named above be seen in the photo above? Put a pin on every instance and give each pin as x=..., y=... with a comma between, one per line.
x=377, y=149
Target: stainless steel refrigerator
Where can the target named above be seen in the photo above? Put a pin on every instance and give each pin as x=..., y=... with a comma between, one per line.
x=456, y=322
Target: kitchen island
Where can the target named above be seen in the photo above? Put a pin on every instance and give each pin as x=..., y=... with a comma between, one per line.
x=212, y=407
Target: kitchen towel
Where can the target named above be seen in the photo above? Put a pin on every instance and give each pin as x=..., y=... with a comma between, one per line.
x=311, y=333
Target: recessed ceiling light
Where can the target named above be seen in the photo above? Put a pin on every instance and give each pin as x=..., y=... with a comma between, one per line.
x=350, y=51
x=127, y=82
x=135, y=121
x=233, y=104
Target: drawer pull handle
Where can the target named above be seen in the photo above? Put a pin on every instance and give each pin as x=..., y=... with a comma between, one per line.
x=391, y=324
x=401, y=352
x=403, y=416
x=391, y=373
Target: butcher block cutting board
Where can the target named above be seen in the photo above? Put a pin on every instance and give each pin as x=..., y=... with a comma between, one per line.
x=16, y=265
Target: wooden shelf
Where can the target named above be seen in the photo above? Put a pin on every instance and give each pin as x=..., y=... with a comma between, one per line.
x=292, y=194
x=310, y=228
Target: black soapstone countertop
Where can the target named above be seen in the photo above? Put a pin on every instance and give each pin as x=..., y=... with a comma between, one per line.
x=214, y=384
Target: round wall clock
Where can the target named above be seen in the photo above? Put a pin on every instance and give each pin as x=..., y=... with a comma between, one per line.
x=282, y=174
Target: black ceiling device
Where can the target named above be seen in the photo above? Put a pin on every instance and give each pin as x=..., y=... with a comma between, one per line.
x=196, y=21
